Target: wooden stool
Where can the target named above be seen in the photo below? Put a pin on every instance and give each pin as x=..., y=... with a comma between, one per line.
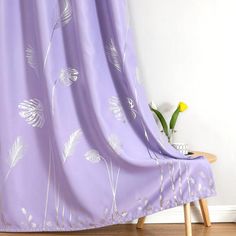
x=187, y=213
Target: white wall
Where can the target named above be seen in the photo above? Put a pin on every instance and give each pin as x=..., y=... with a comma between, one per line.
x=187, y=51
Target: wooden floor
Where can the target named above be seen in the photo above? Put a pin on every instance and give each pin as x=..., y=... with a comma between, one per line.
x=149, y=230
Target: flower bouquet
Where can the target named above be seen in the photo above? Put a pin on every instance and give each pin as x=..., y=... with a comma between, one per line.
x=168, y=130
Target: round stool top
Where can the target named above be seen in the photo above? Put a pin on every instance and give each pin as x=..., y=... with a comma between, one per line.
x=210, y=157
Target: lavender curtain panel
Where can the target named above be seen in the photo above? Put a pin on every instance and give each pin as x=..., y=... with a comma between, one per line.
x=79, y=147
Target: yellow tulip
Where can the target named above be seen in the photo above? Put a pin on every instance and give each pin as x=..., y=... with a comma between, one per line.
x=182, y=107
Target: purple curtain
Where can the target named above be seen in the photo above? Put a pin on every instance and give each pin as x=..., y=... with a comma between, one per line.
x=79, y=147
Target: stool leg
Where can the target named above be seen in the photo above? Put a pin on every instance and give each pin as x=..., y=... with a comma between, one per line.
x=187, y=219
x=140, y=223
x=205, y=212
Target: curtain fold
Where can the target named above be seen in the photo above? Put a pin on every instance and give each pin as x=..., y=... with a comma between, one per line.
x=79, y=147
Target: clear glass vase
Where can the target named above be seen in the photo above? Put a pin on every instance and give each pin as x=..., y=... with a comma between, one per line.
x=171, y=136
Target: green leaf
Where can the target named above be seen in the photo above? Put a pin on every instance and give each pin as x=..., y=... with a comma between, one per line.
x=174, y=118
x=162, y=120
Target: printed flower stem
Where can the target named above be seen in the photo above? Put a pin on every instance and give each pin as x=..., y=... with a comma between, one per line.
x=53, y=96
x=113, y=185
x=48, y=185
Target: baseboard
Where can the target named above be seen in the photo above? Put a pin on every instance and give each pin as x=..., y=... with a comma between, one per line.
x=224, y=213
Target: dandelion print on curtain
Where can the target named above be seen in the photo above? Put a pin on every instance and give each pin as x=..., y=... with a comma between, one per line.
x=79, y=147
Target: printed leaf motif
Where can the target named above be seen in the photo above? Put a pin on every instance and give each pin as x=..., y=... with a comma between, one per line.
x=23, y=210
x=65, y=15
x=115, y=143
x=131, y=106
x=68, y=76
x=93, y=156
x=124, y=213
x=16, y=152
x=113, y=56
x=116, y=108
x=32, y=111
x=199, y=187
x=69, y=146
x=28, y=219
x=62, y=19
x=30, y=56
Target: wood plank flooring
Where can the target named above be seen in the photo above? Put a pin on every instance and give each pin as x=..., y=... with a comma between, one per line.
x=222, y=229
